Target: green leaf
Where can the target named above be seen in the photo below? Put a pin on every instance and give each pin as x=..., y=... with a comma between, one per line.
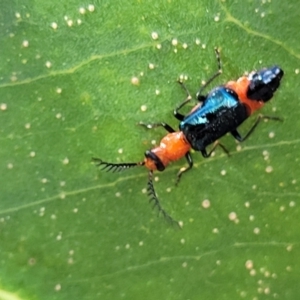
x=71, y=231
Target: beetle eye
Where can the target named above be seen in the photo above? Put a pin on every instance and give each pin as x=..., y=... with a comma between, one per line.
x=264, y=83
x=158, y=163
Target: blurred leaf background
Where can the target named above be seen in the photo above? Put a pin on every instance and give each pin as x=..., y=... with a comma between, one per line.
x=70, y=231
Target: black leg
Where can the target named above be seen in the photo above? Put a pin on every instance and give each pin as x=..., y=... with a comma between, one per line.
x=238, y=137
x=178, y=115
x=183, y=170
x=199, y=95
x=155, y=125
x=216, y=144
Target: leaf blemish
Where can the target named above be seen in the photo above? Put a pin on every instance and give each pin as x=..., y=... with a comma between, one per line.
x=271, y=134
x=54, y=25
x=269, y=169
x=91, y=8
x=25, y=43
x=65, y=161
x=256, y=230
x=58, y=90
x=3, y=106
x=82, y=10
x=233, y=216
x=206, y=203
x=154, y=35
x=135, y=81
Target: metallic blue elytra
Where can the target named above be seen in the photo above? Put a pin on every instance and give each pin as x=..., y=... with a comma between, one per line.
x=215, y=101
x=221, y=111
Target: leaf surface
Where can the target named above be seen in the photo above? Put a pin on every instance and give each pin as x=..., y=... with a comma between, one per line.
x=68, y=93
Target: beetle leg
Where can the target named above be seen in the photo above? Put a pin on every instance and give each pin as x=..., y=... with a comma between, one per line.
x=216, y=144
x=183, y=170
x=199, y=95
x=239, y=138
x=178, y=115
x=154, y=125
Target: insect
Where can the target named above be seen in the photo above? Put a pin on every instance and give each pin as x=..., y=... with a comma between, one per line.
x=221, y=111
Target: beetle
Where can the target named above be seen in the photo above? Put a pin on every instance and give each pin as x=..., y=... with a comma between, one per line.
x=221, y=111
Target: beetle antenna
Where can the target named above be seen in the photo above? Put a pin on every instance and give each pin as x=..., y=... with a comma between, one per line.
x=154, y=198
x=114, y=167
